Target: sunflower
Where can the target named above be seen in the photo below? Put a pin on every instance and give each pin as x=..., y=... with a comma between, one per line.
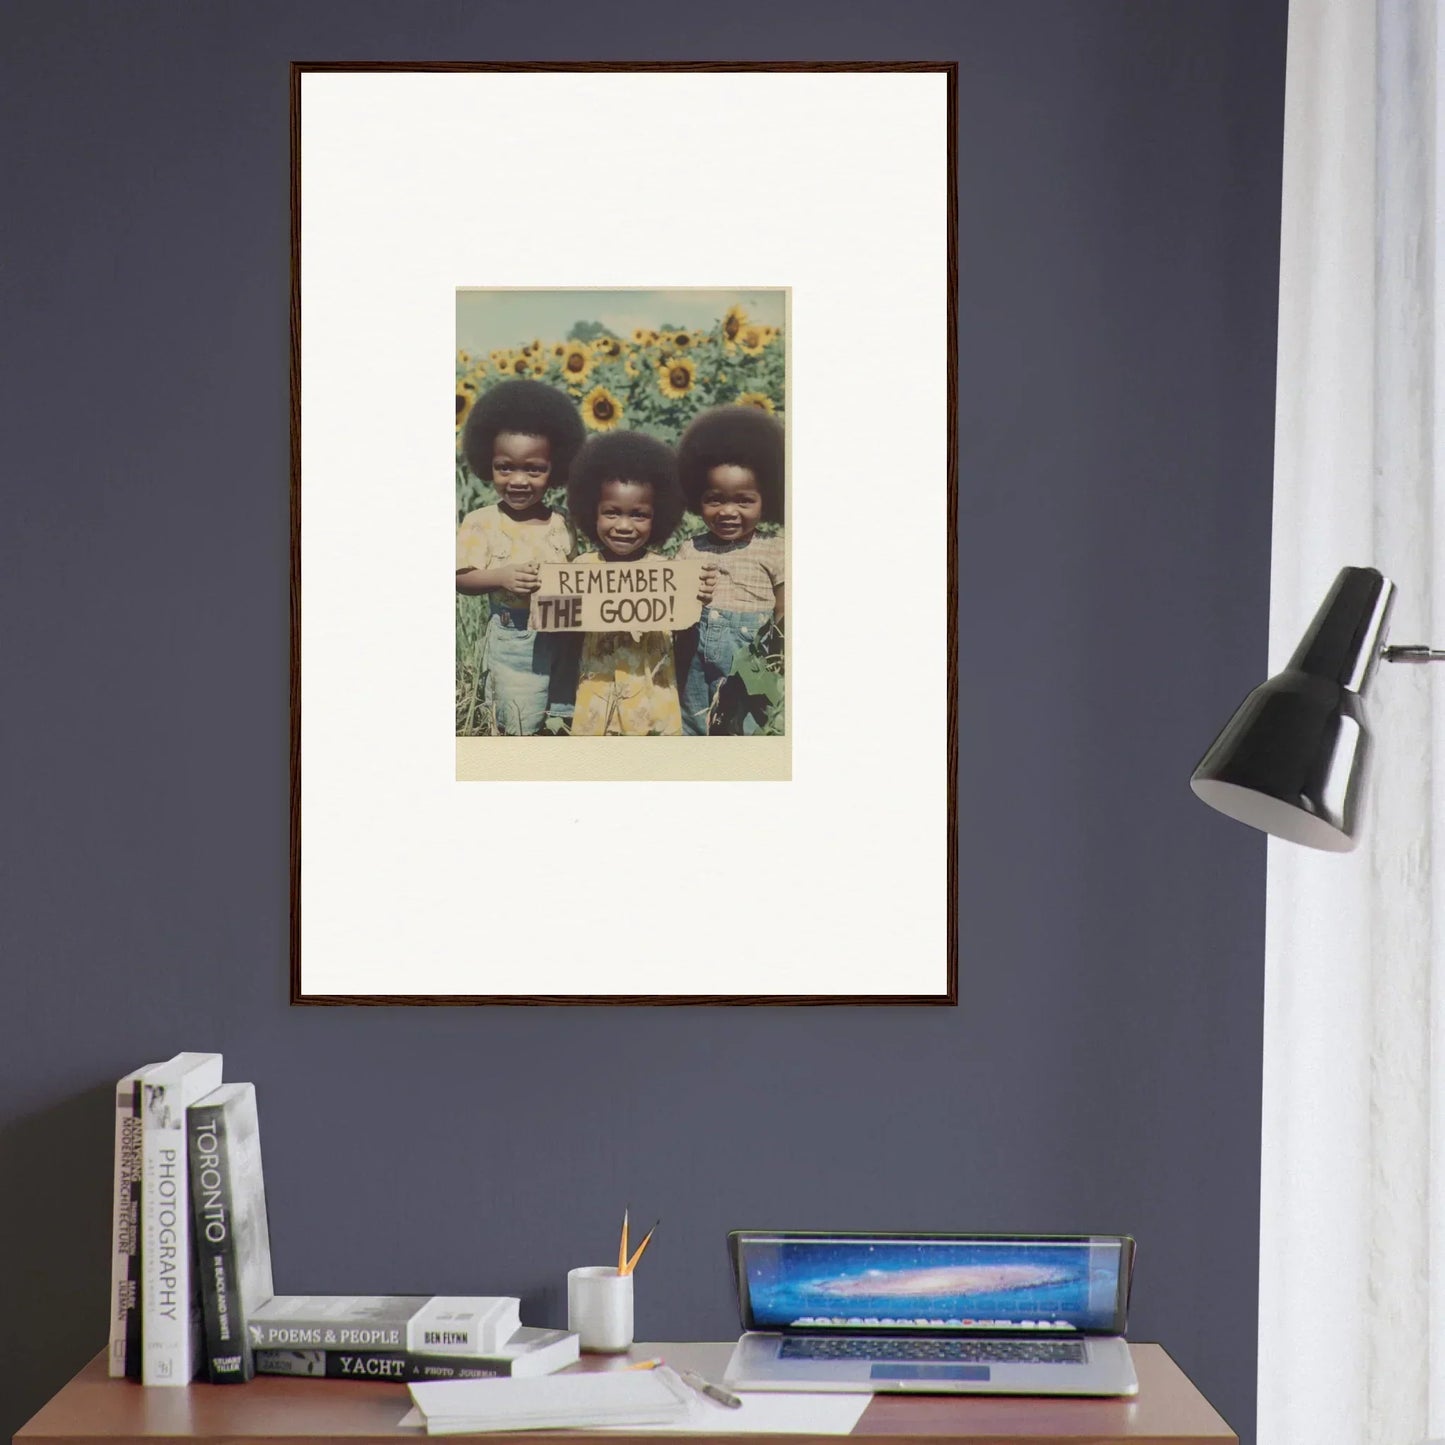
x=677, y=340
x=757, y=399
x=733, y=322
x=558, y=347
x=577, y=361
x=466, y=396
x=527, y=365
x=752, y=339
x=464, y=358
x=630, y=366
x=606, y=346
x=676, y=375
x=600, y=409
x=643, y=337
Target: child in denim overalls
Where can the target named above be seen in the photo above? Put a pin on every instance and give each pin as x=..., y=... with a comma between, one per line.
x=730, y=463
x=521, y=436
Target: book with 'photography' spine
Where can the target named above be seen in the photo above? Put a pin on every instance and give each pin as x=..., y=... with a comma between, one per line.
x=228, y=1214
x=170, y=1307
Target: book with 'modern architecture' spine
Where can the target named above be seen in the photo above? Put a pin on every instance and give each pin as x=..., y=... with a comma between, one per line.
x=228, y=1216
x=170, y=1313
x=530, y=1352
x=124, y=1344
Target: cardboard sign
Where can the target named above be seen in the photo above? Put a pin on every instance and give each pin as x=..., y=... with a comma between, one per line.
x=653, y=594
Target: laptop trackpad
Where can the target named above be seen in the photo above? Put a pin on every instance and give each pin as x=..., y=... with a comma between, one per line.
x=930, y=1372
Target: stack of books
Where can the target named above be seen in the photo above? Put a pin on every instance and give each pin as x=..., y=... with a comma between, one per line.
x=403, y=1338
x=191, y=1285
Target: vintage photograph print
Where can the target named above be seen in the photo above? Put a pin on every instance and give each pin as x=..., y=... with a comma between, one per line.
x=621, y=538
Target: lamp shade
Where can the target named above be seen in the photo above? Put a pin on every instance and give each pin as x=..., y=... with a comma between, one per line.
x=1292, y=759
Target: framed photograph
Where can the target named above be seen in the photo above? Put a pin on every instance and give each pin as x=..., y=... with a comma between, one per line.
x=700, y=627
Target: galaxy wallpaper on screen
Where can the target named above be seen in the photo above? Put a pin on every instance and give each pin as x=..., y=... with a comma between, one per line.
x=932, y=1284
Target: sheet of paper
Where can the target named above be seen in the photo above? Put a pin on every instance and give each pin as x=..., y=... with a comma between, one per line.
x=768, y=1412
x=568, y=1400
x=763, y=1413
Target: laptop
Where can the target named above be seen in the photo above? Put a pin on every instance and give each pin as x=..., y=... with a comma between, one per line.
x=996, y=1314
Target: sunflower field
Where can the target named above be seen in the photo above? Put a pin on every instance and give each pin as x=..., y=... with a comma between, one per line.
x=653, y=381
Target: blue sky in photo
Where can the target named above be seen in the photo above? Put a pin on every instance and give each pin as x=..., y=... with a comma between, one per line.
x=489, y=320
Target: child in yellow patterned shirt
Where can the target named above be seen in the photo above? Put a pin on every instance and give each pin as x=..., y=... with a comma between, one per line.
x=624, y=496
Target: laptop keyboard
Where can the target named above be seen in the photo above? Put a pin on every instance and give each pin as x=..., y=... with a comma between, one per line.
x=979, y=1352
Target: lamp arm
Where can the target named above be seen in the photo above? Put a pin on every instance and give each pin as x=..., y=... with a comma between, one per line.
x=1415, y=652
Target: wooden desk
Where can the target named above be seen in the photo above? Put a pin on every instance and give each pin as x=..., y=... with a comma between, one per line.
x=95, y=1410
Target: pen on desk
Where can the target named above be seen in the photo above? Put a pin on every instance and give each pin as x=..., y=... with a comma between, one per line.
x=637, y=1253
x=713, y=1392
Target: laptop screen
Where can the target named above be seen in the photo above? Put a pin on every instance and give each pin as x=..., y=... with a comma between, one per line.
x=906, y=1283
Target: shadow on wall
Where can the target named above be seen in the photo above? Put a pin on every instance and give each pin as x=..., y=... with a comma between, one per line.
x=55, y=1221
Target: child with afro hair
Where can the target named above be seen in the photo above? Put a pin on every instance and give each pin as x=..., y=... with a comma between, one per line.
x=624, y=496
x=521, y=436
x=730, y=463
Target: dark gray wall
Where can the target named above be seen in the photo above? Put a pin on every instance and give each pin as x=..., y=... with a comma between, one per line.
x=1119, y=188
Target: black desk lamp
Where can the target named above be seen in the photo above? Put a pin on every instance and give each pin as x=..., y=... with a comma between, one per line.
x=1292, y=759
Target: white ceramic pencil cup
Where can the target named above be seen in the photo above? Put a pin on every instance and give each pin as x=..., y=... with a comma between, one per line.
x=599, y=1308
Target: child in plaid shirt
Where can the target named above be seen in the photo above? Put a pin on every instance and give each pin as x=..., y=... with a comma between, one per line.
x=730, y=463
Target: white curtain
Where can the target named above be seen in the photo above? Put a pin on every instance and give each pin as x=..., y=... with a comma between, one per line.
x=1352, y=1249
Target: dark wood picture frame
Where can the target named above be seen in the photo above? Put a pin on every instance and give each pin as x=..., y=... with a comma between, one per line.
x=949, y=996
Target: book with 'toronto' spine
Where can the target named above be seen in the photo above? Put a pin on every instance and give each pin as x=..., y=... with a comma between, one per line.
x=228, y=1215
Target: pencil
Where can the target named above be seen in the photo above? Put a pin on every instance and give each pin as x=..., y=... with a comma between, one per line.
x=632, y=1263
x=622, y=1247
